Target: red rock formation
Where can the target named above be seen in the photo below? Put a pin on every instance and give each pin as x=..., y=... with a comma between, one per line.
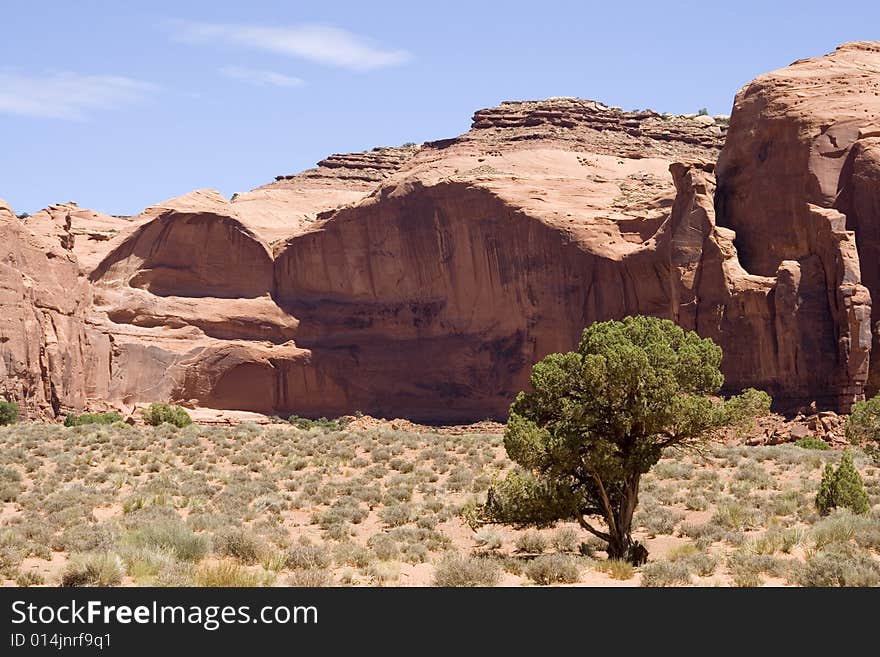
x=47, y=360
x=423, y=282
x=799, y=168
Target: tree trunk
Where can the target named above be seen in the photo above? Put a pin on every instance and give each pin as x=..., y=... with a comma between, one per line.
x=622, y=546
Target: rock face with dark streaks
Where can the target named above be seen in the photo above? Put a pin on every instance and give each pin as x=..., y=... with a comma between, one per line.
x=424, y=281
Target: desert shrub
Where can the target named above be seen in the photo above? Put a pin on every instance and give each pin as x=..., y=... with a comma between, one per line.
x=229, y=574
x=159, y=412
x=531, y=542
x=240, y=544
x=693, y=558
x=745, y=407
x=321, y=423
x=11, y=554
x=383, y=572
x=352, y=554
x=73, y=420
x=747, y=567
x=172, y=535
x=94, y=569
x=616, y=568
x=144, y=563
x=29, y=578
x=811, y=442
x=309, y=578
x=733, y=516
x=461, y=570
x=8, y=412
x=85, y=537
x=840, y=564
x=673, y=470
x=657, y=520
x=488, y=538
x=842, y=487
x=177, y=573
x=863, y=425
x=843, y=526
x=565, y=539
x=397, y=514
x=553, y=569
x=10, y=484
x=753, y=473
x=696, y=503
x=308, y=556
x=383, y=546
x=666, y=573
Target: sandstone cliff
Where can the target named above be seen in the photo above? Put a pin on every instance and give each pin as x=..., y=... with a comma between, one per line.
x=423, y=281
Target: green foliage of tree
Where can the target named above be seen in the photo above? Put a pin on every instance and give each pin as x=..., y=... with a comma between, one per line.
x=8, y=412
x=842, y=487
x=598, y=418
x=863, y=425
x=73, y=420
x=159, y=412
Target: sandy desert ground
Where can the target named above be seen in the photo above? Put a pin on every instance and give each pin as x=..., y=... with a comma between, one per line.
x=276, y=505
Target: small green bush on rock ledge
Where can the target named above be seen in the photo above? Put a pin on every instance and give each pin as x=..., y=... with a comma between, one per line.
x=8, y=412
x=160, y=412
x=73, y=420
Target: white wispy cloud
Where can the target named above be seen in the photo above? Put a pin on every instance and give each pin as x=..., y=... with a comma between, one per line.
x=260, y=78
x=68, y=95
x=318, y=43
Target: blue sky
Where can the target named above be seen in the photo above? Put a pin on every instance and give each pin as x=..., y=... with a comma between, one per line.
x=117, y=105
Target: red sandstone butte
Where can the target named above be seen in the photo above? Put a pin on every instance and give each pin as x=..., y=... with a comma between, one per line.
x=424, y=281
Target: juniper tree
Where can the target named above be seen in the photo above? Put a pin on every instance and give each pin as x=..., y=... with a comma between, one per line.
x=597, y=419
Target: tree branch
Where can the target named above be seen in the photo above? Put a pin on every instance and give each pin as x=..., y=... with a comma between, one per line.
x=606, y=503
x=583, y=523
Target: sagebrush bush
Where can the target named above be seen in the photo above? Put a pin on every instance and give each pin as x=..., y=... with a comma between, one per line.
x=616, y=568
x=666, y=573
x=396, y=515
x=174, y=536
x=843, y=526
x=461, y=570
x=383, y=546
x=29, y=578
x=840, y=564
x=309, y=578
x=10, y=484
x=96, y=569
x=230, y=574
x=159, y=412
x=488, y=538
x=8, y=412
x=565, y=539
x=308, y=556
x=842, y=488
x=553, y=569
x=240, y=544
x=531, y=542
